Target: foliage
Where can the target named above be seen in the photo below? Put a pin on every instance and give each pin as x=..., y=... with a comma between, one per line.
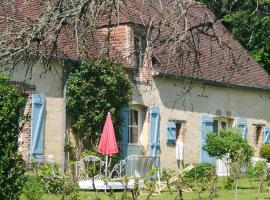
x=33, y=188
x=94, y=89
x=180, y=184
x=55, y=182
x=249, y=21
x=229, y=142
x=11, y=163
x=166, y=175
x=202, y=175
x=261, y=173
x=265, y=152
x=151, y=182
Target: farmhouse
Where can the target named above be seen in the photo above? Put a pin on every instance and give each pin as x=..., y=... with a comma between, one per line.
x=181, y=91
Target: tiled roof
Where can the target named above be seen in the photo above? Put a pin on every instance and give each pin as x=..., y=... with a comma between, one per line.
x=198, y=56
x=225, y=61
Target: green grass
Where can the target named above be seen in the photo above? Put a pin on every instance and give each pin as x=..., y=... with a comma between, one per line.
x=248, y=190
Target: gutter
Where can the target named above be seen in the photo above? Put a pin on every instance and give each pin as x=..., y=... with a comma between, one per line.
x=65, y=76
x=207, y=81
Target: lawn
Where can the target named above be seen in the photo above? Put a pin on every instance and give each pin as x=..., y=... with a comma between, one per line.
x=247, y=191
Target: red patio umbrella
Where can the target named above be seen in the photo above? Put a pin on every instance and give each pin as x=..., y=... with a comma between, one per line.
x=107, y=144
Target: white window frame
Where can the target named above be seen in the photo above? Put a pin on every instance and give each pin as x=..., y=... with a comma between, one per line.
x=227, y=120
x=130, y=126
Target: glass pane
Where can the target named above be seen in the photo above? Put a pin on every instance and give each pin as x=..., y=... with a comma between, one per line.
x=137, y=46
x=223, y=125
x=133, y=137
x=215, y=126
x=134, y=118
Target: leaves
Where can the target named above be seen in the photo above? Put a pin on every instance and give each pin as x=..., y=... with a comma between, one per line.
x=94, y=89
x=249, y=21
x=228, y=142
x=11, y=163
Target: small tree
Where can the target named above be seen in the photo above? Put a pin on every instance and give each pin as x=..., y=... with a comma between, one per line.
x=203, y=176
x=11, y=163
x=230, y=142
x=95, y=88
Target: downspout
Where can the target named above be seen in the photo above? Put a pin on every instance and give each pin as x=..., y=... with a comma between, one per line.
x=65, y=76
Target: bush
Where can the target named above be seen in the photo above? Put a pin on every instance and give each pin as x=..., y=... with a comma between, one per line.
x=11, y=163
x=204, y=177
x=230, y=142
x=94, y=89
x=33, y=188
x=55, y=182
x=265, y=152
x=203, y=171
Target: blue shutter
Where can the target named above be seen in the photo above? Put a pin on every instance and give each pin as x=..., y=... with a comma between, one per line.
x=241, y=124
x=266, y=139
x=206, y=127
x=171, y=132
x=37, y=124
x=154, y=139
x=124, y=113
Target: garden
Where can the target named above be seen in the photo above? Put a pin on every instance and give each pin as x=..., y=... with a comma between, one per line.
x=88, y=101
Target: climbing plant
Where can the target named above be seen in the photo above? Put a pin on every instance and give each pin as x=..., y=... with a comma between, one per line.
x=95, y=88
x=11, y=163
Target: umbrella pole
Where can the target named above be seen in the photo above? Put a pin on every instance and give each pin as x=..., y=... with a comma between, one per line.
x=106, y=168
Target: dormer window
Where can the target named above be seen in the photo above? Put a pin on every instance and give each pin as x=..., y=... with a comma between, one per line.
x=139, y=49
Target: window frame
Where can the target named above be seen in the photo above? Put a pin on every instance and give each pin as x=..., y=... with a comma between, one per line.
x=131, y=126
x=220, y=122
x=139, y=49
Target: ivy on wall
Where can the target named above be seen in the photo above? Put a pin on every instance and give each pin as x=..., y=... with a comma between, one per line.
x=94, y=89
x=11, y=163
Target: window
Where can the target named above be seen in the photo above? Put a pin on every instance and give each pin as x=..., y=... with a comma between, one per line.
x=133, y=127
x=140, y=46
x=221, y=123
x=259, y=135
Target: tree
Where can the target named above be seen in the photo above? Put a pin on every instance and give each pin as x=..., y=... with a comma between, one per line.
x=230, y=143
x=249, y=21
x=94, y=89
x=11, y=163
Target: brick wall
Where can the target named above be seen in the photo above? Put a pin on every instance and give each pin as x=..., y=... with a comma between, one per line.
x=121, y=47
x=182, y=131
x=26, y=130
x=25, y=135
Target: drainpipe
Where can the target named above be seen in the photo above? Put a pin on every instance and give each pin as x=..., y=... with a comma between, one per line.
x=65, y=75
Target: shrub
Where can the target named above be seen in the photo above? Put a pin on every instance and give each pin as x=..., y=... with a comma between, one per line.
x=230, y=142
x=95, y=88
x=11, y=163
x=203, y=171
x=204, y=177
x=265, y=152
x=51, y=178
x=55, y=182
x=33, y=188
